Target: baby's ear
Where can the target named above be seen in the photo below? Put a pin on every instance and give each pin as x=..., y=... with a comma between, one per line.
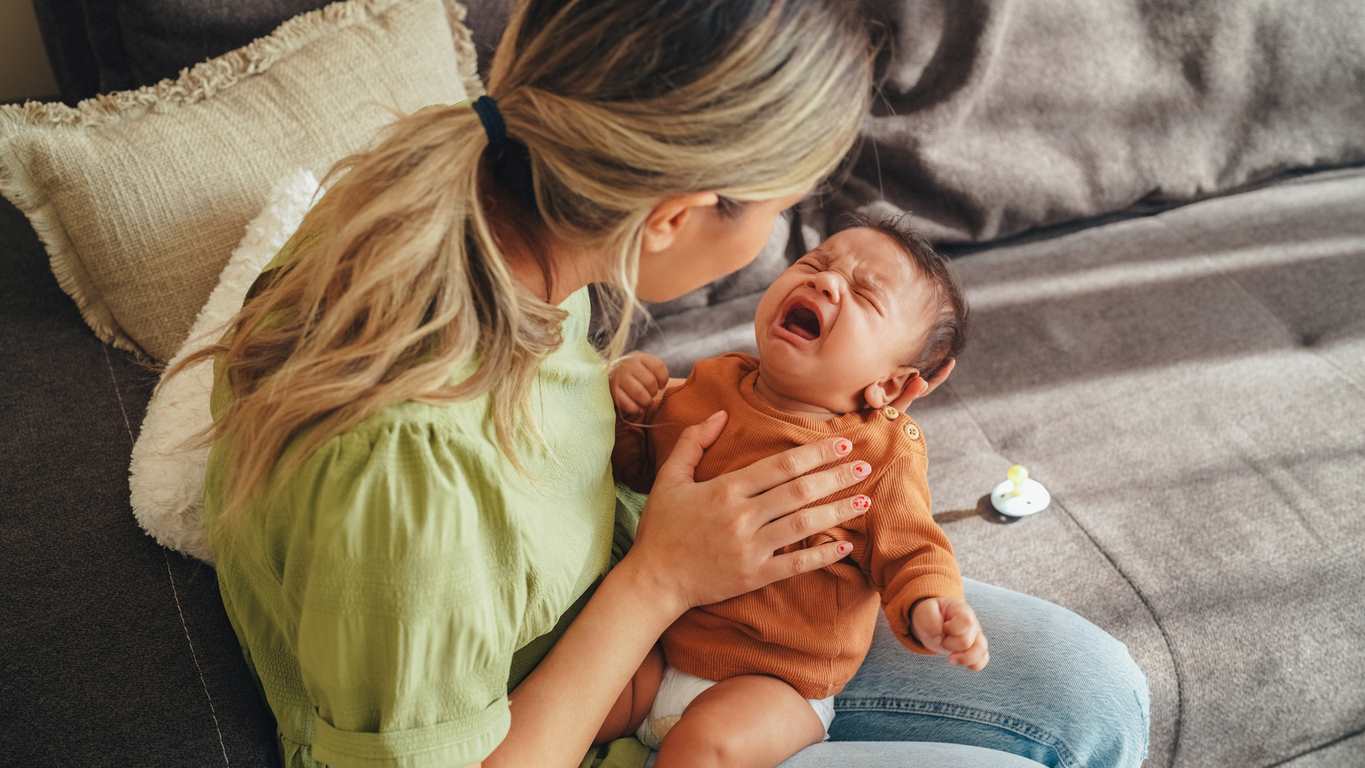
x=883, y=392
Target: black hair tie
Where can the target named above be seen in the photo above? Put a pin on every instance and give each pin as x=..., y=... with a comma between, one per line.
x=491, y=118
x=508, y=160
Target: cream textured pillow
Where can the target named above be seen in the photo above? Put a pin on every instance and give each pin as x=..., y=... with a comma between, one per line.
x=140, y=196
x=165, y=478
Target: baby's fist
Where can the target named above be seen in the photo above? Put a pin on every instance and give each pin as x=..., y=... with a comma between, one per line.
x=635, y=380
x=947, y=625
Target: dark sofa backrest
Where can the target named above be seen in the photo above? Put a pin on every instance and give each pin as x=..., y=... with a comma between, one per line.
x=97, y=46
x=995, y=116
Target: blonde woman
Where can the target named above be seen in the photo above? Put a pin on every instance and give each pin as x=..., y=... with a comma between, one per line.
x=409, y=489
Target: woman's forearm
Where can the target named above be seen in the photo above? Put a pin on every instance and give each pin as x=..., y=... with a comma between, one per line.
x=558, y=709
x=697, y=543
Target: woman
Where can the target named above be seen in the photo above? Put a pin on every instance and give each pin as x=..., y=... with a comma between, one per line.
x=409, y=489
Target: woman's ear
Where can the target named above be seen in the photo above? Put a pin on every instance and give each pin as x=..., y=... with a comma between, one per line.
x=669, y=217
x=883, y=392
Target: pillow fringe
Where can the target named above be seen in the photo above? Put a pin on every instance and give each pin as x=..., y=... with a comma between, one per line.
x=201, y=81
x=194, y=84
x=64, y=262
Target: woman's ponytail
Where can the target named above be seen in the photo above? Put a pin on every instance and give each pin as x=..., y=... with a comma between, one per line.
x=398, y=284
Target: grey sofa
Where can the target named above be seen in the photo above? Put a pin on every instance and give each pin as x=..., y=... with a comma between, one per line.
x=1182, y=365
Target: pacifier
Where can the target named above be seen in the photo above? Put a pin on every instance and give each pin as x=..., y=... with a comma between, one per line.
x=1018, y=495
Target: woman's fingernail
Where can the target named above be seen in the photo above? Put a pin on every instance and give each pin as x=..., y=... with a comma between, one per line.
x=862, y=468
x=716, y=415
x=862, y=503
x=842, y=446
x=845, y=548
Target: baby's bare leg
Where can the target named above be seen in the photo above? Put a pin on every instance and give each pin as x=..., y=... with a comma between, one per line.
x=633, y=704
x=746, y=721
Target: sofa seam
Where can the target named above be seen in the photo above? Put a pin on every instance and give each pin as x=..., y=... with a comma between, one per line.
x=1318, y=748
x=175, y=593
x=118, y=396
x=194, y=656
x=1176, y=666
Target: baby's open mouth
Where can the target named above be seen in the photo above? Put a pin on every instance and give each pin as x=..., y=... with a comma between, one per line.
x=802, y=321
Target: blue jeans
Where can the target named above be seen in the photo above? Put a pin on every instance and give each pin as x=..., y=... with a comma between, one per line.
x=1058, y=690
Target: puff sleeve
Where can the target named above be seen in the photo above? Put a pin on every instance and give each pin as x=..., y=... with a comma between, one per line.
x=404, y=573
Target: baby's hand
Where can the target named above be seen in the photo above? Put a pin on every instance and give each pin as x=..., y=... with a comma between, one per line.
x=635, y=380
x=947, y=625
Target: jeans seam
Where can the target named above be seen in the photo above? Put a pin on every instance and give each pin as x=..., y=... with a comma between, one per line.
x=942, y=708
x=1146, y=723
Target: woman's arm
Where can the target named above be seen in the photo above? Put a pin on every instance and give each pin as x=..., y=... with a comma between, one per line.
x=554, y=711
x=697, y=543
x=558, y=709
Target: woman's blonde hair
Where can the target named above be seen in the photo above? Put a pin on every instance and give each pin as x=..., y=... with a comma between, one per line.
x=398, y=276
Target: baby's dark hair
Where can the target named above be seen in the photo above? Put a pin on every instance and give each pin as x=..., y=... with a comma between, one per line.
x=948, y=335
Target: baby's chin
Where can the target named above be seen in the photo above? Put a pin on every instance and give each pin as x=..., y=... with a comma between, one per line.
x=808, y=386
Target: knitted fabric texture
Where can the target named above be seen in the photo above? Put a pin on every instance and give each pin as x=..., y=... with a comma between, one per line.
x=811, y=630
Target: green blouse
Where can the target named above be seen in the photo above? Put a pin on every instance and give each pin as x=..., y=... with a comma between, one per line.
x=390, y=592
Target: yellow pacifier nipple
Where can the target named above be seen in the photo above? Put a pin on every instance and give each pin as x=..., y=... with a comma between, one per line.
x=1017, y=495
x=1017, y=474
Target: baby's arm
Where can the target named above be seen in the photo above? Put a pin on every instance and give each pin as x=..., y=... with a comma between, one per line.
x=636, y=381
x=910, y=561
x=948, y=625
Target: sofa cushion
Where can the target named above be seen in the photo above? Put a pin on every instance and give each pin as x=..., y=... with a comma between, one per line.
x=139, y=196
x=117, y=652
x=997, y=116
x=1189, y=386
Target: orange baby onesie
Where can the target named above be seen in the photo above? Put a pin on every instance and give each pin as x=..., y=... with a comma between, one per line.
x=811, y=630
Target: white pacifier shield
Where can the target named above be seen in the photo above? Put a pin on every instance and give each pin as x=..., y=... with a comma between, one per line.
x=1032, y=498
x=1018, y=496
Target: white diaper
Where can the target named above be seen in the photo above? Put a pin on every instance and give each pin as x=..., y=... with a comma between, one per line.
x=678, y=689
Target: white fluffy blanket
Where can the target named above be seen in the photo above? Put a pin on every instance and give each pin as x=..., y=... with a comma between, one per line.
x=166, y=479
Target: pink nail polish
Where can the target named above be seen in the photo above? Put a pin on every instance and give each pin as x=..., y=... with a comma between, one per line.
x=862, y=469
x=845, y=548
x=862, y=503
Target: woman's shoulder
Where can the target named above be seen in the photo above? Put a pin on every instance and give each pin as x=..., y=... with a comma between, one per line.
x=412, y=434
x=401, y=479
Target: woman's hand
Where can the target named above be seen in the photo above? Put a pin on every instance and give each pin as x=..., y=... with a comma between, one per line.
x=700, y=543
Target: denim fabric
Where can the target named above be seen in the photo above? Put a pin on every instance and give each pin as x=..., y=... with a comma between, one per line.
x=1058, y=690
x=867, y=754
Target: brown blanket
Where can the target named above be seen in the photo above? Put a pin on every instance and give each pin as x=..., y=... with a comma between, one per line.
x=998, y=116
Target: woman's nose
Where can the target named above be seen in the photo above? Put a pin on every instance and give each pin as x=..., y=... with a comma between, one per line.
x=825, y=283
